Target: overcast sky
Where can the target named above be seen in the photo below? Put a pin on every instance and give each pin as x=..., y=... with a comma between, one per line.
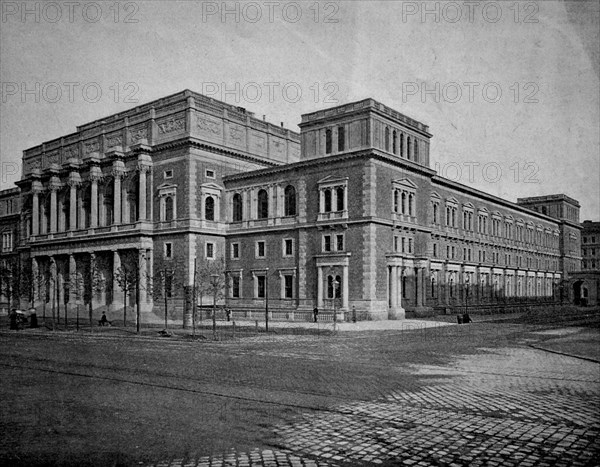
x=509, y=90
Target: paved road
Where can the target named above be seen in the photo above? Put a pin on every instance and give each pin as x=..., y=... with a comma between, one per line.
x=472, y=395
x=505, y=406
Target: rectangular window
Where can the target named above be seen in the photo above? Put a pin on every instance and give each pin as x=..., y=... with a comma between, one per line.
x=210, y=250
x=168, y=174
x=410, y=245
x=326, y=242
x=288, y=286
x=288, y=247
x=235, y=286
x=260, y=290
x=435, y=250
x=396, y=243
x=210, y=173
x=403, y=245
x=260, y=249
x=447, y=252
x=341, y=138
x=235, y=250
x=339, y=240
x=168, y=250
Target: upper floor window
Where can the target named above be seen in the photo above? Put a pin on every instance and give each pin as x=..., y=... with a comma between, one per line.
x=237, y=208
x=289, y=201
x=209, y=173
x=416, y=144
x=261, y=249
x=7, y=241
x=332, y=198
x=167, y=203
x=395, y=142
x=263, y=205
x=168, y=208
x=210, y=250
x=404, y=197
x=328, y=141
x=341, y=138
x=288, y=247
x=209, y=208
x=168, y=174
x=235, y=251
x=168, y=250
x=408, y=147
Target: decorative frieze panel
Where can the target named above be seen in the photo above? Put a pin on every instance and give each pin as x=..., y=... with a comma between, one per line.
x=237, y=135
x=209, y=127
x=258, y=142
x=32, y=165
x=138, y=135
x=171, y=125
x=71, y=153
x=91, y=147
x=52, y=158
x=114, y=140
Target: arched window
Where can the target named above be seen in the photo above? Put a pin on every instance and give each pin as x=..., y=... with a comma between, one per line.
x=327, y=141
x=411, y=202
x=168, y=208
x=433, y=287
x=416, y=143
x=341, y=138
x=289, y=201
x=451, y=287
x=435, y=213
x=396, y=200
x=263, y=205
x=209, y=208
x=408, y=147
x=340, y=198
x=327, y=196
x=237, y=208
x=387, y=138
x=394, y=142
x=403, y=203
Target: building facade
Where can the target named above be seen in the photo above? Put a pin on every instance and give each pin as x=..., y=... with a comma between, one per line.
x=586, y=284
x=10, y=211
x=346, y=216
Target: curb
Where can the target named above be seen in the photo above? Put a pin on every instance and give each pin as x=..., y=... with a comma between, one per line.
x=589, y=359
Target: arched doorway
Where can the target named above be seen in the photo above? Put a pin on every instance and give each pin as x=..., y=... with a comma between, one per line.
x=577, y=292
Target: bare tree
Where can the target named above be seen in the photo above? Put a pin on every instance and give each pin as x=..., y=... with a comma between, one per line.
x=211, y=278
x=96, y=284
x=162, y=286
x=127, y=279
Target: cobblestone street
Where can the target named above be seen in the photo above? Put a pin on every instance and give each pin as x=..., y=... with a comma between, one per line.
x=484, y=394
x=506, y=406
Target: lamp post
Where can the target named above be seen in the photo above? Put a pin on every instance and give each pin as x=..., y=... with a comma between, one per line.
x=336, y=286
x=267, y=300
x=215, y=284
x=467, y=280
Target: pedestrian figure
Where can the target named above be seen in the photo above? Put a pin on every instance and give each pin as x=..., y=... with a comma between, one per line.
x=103, y=321
x=354, y=314
x=228, y=314
x=13, y=319
x=459, y=318
x=466, y=318
x=315, y=313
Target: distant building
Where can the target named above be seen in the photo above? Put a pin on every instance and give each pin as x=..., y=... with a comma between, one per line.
x=347, y=214
x=586, y=284
x=10, y=211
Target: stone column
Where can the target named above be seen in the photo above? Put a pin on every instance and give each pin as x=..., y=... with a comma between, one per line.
x=117, y=198
x=117, y=298
x=419, y=286
x=73, y=202
x=81, y=208
x=73, y=281
x=94, y=202
x=345, y=288
x=125, y=215
x=53, y=279
x=319, y=287
x=35, y=216
x=400, y=287
x=142, y=195
x=393, y=287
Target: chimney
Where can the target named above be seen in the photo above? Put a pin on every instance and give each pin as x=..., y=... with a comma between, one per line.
x=281, y=124
x=264, y=118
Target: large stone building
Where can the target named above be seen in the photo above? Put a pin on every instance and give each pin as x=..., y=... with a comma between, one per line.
x=346, y=214
x=586, y=284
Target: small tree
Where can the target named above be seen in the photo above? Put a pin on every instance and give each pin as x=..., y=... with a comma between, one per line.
x=162, y=285
x=76, y=285
x=7, y=282
x=96, y=284
x=211, y=277
x=126, y=278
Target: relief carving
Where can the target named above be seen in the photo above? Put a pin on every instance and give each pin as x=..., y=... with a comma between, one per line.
x=91, y=146
x=138, y=134
x=114, y=140
x=53, y=158
x=236, y=134
x=172, y=125
x=71, y=152
x=208, y=126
